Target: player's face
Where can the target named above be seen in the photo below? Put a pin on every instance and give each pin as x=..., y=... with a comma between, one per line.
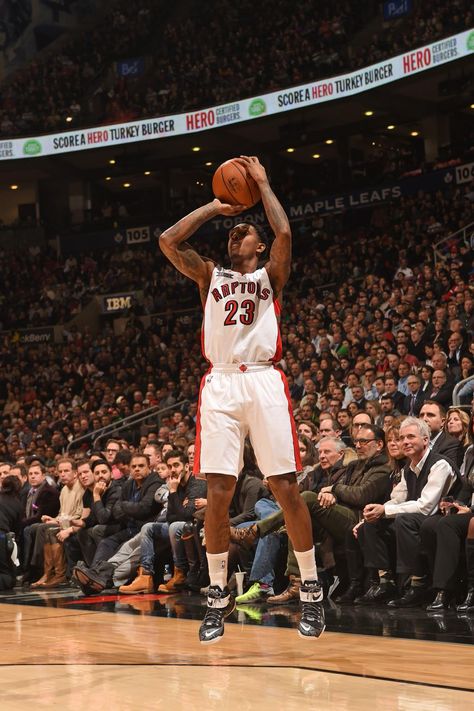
x=243, y=241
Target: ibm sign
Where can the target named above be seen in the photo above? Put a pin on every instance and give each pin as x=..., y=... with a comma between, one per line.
x=397, y=8
x=117, y=303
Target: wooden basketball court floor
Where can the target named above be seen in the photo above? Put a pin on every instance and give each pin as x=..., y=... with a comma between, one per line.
x=75, y=659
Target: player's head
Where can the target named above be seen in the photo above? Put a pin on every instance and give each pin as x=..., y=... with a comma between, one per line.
x=246, y=240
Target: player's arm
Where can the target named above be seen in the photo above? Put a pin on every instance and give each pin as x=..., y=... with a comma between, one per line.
x=279, y=266
x=180, y=253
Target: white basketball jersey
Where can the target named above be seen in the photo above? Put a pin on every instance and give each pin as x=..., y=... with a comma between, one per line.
x=241, y=318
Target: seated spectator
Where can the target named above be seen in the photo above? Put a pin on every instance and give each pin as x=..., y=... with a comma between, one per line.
x=121, y=567
x=425, y=481
x=97, y=521
x=21, y=471
x=136, y=507
x=434, y=414
x=414, y=400
x=456, y=424
x=10, y=517
x=48, y=551
x=42, y=500
x=441, y=391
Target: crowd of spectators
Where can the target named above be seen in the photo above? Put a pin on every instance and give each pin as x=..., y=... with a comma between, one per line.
x=254, y=49
x=372, y=328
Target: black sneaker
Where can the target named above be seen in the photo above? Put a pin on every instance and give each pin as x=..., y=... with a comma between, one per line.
x=312, y=622
x=220, y=604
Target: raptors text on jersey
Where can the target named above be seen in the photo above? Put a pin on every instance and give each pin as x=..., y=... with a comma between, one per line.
x=241, y=318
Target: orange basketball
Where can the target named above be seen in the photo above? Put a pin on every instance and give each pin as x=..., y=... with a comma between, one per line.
x=232, y=185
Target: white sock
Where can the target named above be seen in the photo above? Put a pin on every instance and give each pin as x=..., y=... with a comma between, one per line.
x=217, y=564
x=307, y=565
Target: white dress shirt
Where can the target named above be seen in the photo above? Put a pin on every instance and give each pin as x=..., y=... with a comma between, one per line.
x=440, y=480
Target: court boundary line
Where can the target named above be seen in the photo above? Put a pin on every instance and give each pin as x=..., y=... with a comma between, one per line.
x=372, y=677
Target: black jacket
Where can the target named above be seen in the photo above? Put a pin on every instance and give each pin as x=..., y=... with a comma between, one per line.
x=365, y=482
x=144, y=509
x=450, y=447
x=249, y=489
x=11, y=512
x=181, y=503
x=102, y=511
x=47, y=504
x=444, y=396
x=420, y=397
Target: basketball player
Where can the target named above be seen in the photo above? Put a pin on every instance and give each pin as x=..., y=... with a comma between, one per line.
x=243, y=392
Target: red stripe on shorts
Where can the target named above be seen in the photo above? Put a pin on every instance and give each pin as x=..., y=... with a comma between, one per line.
x=296, y=448
x=197, y=443
x=278, y=345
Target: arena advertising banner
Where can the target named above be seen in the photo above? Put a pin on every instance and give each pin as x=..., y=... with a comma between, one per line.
x=145, y=237
x=465, y=173
x=117, y=303
x=312, y=94
x=31, y=336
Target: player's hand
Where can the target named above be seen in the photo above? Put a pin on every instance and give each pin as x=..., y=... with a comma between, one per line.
x=355, y=530
x=226, y=209
x=254, y=168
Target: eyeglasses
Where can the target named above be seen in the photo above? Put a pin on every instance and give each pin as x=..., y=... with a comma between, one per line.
x=363, y=441
x=109, y=451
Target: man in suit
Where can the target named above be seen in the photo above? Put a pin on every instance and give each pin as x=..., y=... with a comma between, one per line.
x=391, y=388
x=434, y=414
x=412, y=403
x=441, y=390
x=456, y=351
x=42, y=500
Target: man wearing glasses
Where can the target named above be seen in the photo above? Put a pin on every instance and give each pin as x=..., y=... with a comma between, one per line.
x=336, y=509
x=414, y=400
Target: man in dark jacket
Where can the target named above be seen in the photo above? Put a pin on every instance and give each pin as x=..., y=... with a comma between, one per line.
x=329, y=470
x=187, y=493
x=338, y=507
x=42, y=500
x=136, y=506
x=434, y=414
x=97, y=521
x=412, y=403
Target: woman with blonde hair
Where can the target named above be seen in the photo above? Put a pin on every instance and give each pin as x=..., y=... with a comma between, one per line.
x=457, y=425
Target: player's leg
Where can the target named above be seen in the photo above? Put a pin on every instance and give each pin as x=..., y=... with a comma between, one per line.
x=220, y=489
x=273, y=436
x=298, y=526
x=220, y=458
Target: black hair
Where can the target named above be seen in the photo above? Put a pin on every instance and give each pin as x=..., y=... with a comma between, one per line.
x=378, y=432
x=262, y=234
x=178, y=454
x=11, y=486
x=96, y=463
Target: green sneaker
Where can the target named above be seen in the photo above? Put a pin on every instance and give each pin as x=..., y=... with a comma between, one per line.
x=255, y=614
x=255, y=593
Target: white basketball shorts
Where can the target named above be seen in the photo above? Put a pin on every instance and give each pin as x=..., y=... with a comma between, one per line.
x=236, y=401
